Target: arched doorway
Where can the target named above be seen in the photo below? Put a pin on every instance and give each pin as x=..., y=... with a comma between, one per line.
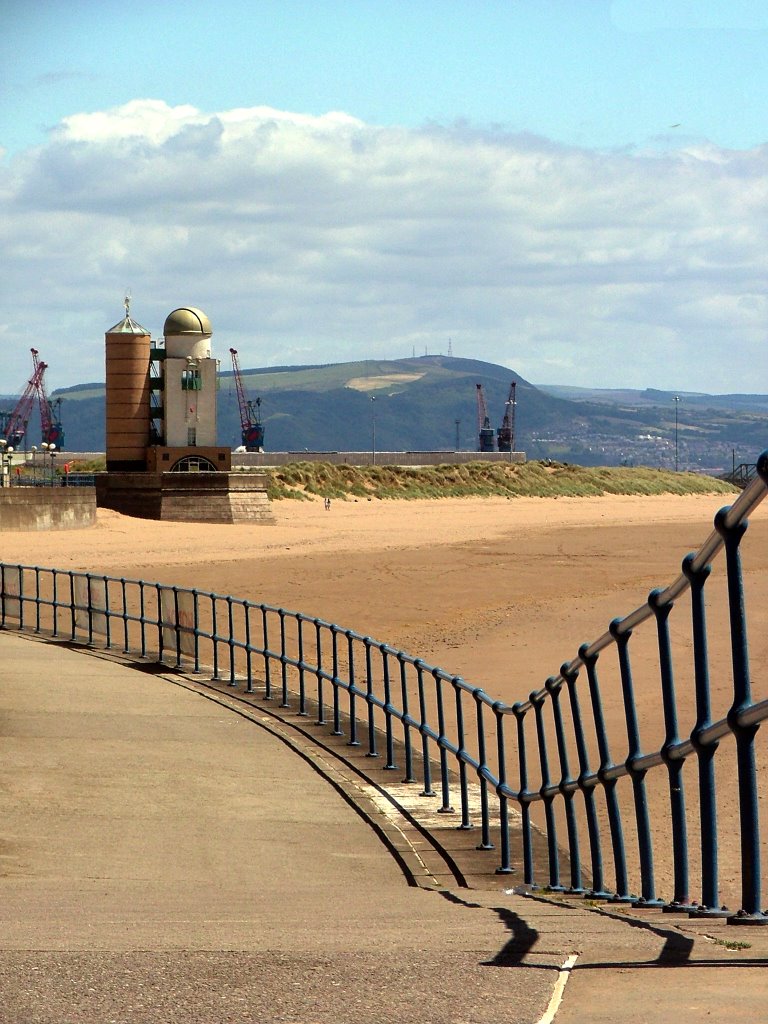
x=193, y=464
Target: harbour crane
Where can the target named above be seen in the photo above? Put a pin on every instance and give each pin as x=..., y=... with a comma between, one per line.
x=251, y=426
x=505, y=435
x=484, y=428
x=50, y=422
x=15, y=427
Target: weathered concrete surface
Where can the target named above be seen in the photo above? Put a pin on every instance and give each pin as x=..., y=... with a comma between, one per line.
x=47, y=508
x=165, y=857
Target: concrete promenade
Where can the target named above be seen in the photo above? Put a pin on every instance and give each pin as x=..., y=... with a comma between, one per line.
x=164, y=858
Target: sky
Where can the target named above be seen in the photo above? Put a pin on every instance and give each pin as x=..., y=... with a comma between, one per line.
x=575, y=189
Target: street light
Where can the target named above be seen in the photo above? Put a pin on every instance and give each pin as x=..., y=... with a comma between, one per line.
x=33, y=450
x=676, y=400
x=458, y=424
x=48, y=449
x=6, y=458
x=373, y=430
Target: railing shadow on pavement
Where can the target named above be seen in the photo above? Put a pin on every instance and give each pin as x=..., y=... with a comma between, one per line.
x=495, y=759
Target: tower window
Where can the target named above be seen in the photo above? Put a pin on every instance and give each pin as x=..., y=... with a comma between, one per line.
x=192, y=437
x=191, y=380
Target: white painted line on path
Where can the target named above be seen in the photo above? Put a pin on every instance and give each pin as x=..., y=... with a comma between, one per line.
x=557, y=994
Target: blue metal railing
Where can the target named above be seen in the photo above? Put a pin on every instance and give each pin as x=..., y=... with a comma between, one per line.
x=539, y=769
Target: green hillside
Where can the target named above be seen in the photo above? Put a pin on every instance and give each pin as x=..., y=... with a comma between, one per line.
x=422, y=404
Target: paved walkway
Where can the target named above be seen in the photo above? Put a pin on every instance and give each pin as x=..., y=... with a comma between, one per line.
x=163, y=859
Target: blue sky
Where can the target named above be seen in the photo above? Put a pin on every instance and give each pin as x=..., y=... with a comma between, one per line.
x=587, y=72
x=543, y=181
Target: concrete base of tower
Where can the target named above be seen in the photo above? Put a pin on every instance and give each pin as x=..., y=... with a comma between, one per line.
x=187, y=497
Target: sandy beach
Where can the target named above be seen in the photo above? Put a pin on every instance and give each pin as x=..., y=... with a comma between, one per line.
x=499, y=591
x=493, y=589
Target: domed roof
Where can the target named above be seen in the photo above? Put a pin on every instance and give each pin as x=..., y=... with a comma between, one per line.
x=187, y=320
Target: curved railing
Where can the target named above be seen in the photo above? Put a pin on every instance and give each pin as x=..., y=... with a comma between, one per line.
x=494, y=759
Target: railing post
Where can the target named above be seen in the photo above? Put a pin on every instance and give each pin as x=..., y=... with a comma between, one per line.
x=681, y=899
x=124, y=597
x=319, y=673
x=214, y=637
x=54, y=583
x=567, y=786
x=608, y=783
x=461, y=752
x=73, y=610
x=142, y=618
x=547, y=798
x=587, y=791
x=409, y=776
x=353, y=741
x=637, y=775
x=485, y=826
x=37, y=599
x=426, y=764
x=302, y=667
x=284, y=703
x=705, y=752
x=390, y=741
x=266, y=653
x=750, y=912
x=372, y=751
x=248, y=648
x=231, y=641
x=525, y=796
x=505, y=866
x=337, y=730
x=445, y=807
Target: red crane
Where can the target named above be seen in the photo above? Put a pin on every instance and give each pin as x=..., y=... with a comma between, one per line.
x=251, y=427
x=505, y=435
x=50, y=425
x=484, y=428
x=16, y=427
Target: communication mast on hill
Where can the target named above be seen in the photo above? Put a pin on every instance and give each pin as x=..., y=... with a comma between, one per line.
x=251, y=426
x=505, y=435
x=484, y=428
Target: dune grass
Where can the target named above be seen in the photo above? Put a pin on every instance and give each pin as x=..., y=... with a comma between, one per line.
x=307, y=480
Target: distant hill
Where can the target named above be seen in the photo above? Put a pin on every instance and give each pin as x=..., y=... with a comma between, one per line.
x=652, y=396
x=417, y=403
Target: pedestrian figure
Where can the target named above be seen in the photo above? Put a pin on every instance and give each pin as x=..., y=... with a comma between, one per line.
x=327, y=504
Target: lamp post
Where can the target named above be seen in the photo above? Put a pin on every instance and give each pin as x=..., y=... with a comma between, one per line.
x=373, y=430
x=48, y=449
x=6, y=458
x=458, y=424
x=676, y=400
x=33, y=451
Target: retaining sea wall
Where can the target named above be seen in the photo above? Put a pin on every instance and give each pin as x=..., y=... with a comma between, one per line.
x=47, y=508
x=264, y=460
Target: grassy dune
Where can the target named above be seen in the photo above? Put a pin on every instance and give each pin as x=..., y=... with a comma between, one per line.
x=305, y=480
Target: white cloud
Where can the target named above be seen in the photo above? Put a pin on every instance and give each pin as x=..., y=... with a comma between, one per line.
x=338, y=240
